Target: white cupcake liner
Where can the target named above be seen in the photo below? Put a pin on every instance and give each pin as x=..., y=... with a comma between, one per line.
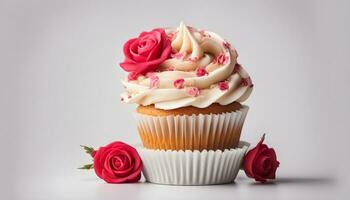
x=192, y=167
x=192, y=132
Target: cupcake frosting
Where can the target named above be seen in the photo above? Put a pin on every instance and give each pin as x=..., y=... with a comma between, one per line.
x=202, y=69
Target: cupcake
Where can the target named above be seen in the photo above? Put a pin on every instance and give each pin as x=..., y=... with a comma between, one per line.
x=189, y=89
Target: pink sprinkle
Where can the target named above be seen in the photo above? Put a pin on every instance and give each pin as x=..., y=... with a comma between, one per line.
x=223, y=85
x=202, y=32
x=221, y=59
x=179, y=83
x=234, y=52
x=154, y=82
x=132, y=76
x=247, y=82
x=226, y=45
x=193, y=91
x=191, y=29
x=193, y=59
x=171, y=68
x=237, y=68
x=150, y=74
x=201, y=71
x=129, y=97
x=178, y=56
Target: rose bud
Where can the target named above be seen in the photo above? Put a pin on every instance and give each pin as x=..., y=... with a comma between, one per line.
x=261, y=162
x=118, y=163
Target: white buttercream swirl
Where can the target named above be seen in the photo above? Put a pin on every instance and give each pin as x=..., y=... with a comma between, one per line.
x=193, y=49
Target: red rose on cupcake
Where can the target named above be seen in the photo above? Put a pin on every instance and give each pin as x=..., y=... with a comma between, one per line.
x=117, y=163
x=145, y=53
x=261, y=162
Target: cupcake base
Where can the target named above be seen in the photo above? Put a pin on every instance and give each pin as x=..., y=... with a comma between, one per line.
x=192, y=132
x=192, y=167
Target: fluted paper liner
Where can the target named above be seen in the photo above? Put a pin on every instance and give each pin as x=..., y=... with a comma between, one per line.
x=192, y=132
x=192, y=167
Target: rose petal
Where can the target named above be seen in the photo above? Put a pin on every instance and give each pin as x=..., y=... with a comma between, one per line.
x=97, y=163
x=110, y=177
x=106, y=160
x=120, y=155
x=126, y=48
x=155, y=52
x=136, y=57
x=145, y=45
x=156, y=34
x=117, y=162
x=250, y=157
x=132, y=76
x=248, y=162
x=275, y=164
x=270, y=152
x=136, y=158
x=260, y=166
x=127, y=162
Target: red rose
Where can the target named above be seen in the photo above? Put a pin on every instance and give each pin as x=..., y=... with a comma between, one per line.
x=145, y=53
x=261, y=162
x=117, y=163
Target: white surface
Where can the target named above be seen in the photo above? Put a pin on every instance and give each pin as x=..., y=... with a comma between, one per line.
x=60, y=86
x=86, y=186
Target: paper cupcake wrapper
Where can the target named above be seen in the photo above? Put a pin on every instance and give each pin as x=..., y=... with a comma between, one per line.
x=192, y=167
x=192, y=132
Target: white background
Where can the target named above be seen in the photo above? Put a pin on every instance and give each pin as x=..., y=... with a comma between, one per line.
x=60, y=86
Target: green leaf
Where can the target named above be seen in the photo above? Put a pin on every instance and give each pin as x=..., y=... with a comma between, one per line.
x=88, y=166
x=87, y=149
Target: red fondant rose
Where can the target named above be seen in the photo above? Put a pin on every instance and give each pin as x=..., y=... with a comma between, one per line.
x=261, y=162
x=117, y=163
x=145, y=53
